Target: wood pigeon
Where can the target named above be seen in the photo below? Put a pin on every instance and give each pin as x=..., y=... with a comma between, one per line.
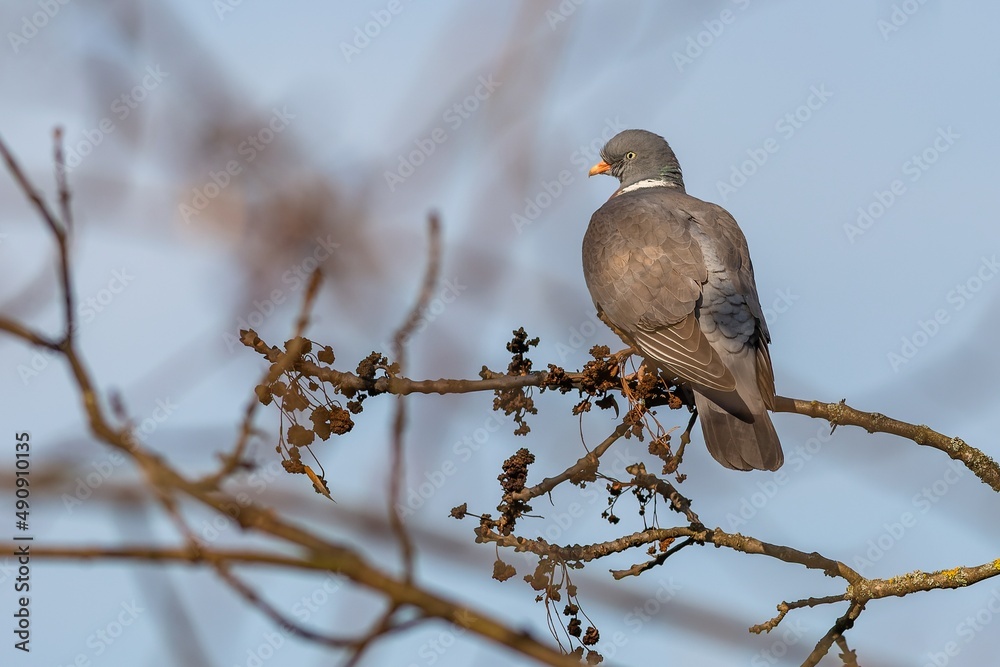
x=672, y=276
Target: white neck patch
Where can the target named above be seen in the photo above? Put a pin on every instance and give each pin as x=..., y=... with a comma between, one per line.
x=647, y=183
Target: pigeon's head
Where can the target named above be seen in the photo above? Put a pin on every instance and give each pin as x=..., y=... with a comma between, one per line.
x=637, y=155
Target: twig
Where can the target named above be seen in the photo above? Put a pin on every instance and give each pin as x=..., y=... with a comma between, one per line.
x=32, y=337
x=786, y=607
x=399, y=343
x=718, y=537
x=980, y=464
x=269, y=610
x=62, y=184
x=380, y=628
x=243, y=589
x=843, y=624
x=984, y=467
x=323, y=559
x=639, y=568
x=668, y=491
x=917, y=581
x=58, y=232
x=847, y=655
x=588, y=461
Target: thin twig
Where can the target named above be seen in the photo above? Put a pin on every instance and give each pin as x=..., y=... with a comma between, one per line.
x=282, y=620
x=678, y=502
x=847, y=655
x=588, y=461
x=786, y=607
x=58, y=232
x=843, y=624
x=383, y=626
x=62, y=183
x=397, y=476
x=984, y=467
x=32, y=337
x=639, y=568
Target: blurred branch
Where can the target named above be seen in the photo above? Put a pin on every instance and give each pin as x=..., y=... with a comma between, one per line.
x=58, y=229
x=62, y=186
x=397, y=475
x=30, y=336
x=167, y=481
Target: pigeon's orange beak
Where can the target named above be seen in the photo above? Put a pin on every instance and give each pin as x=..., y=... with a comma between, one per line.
x=601, y=167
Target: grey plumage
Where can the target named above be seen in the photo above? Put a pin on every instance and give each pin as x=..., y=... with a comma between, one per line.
x=672, y=275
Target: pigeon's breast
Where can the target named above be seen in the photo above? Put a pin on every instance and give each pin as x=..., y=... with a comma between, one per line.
x=641, y=264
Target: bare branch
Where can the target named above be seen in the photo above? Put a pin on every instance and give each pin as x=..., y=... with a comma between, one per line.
x=639, y=568
x=917, y=581
x=838, y=414
x=327, y=558
x=786, y=607
x=984, y=467
x=847, y=655
x=718, y=537
x=58, y=232
x=589, y=461
x=843, y=624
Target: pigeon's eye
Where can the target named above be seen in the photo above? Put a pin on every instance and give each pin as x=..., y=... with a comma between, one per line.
x=630, y=155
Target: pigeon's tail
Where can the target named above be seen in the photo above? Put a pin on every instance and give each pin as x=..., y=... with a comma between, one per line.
x=732, y=440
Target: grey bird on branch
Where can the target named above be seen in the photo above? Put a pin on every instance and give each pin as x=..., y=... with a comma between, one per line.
x=671, y=275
